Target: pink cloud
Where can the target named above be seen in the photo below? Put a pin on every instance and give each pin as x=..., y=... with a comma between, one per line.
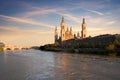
x=27, y=21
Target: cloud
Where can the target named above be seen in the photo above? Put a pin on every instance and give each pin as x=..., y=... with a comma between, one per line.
x=21, y=36
x=96, y=20
x=88, y=4
x=110, y=22
x=94, y=11
x=69, y=16
x=13, y=30
x=101, y=21
x=9, y=30
x=42, y=11
x=26, y=21
x=59, y=11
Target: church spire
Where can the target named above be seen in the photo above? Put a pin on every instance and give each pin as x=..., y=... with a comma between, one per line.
x=83, y=32
x=63, y=27
x=56, y=35
x=62, y=23
x=62, y=19
x=56, y=31
x=83, y=20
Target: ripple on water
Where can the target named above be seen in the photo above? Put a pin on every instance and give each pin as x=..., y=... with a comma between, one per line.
x=39, y=65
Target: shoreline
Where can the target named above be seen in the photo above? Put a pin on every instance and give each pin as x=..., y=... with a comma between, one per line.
x=95, y=51
x=106, y=44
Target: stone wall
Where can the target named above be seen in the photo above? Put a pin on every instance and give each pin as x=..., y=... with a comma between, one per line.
x=95, y=42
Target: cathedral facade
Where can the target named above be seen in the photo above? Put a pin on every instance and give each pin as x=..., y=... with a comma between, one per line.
x=67, y=34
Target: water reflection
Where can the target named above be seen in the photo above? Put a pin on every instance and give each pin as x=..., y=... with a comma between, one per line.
x=39, y=65
x=5, y=57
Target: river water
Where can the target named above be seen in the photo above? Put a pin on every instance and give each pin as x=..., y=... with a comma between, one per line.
x=40, y=65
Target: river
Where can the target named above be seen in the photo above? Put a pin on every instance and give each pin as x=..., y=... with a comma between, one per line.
x=40, y=65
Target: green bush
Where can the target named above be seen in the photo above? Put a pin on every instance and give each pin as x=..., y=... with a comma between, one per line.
x=110, y=47
x=1, y=49
x=116, y=43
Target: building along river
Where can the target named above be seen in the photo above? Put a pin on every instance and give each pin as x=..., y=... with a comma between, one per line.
x=39, y=65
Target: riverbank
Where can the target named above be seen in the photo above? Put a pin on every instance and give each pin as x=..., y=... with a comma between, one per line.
x=96, y=51
x=100, y=45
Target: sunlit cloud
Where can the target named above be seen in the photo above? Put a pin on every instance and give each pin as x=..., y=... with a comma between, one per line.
x=27, y=21
x=42, y=11
x=100, y=21
x=24, y=37
x=69, y=17
x=95, y=20
x=96, y=12
x=110, y=22
x=19, y=31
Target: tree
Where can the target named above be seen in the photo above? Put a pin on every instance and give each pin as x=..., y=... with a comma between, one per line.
x=110, y=47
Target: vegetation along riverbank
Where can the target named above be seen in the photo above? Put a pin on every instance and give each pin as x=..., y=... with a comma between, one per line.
x=1, y=46
x=101, y=45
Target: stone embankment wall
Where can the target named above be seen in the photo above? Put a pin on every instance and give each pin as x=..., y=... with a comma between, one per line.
x=94, y=42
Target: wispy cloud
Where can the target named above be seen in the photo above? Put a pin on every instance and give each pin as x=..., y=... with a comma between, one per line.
x=18, y=36
x=110, y=22
x=13, y=30
x=59, y=11
x=42, y=11
x=27, y=21
x=93, y=20
x=9, y=30
x=94, y=11
x=69, y=16
x=101, y=21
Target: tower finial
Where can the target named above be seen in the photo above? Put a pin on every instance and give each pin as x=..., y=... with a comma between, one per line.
x=83, y=20
x=62, y=19
x=83, y=32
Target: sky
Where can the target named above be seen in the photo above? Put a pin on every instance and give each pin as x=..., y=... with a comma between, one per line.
x=32, y=22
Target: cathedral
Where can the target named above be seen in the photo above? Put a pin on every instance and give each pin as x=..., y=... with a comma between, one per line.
x=67, y=34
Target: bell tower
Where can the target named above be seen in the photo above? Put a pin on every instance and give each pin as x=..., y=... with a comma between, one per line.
x=63, y=26
x=83, y=32
x=56, y=35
